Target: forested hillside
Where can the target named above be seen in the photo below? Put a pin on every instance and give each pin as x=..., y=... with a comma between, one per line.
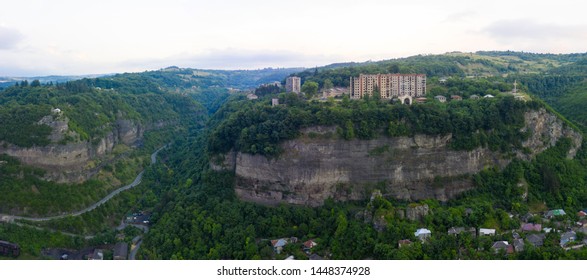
x=195, y=213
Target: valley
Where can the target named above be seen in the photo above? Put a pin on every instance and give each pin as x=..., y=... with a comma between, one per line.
x=356, y=179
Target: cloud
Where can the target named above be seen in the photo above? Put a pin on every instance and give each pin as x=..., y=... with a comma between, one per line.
x=237, y=59
x=507, y=30
x=9, y=38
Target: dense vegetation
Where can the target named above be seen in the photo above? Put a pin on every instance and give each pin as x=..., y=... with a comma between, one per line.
x=196, y=214
x=258, y=128
x=200, y=218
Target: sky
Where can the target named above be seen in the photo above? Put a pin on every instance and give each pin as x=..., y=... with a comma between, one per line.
x=75, y=37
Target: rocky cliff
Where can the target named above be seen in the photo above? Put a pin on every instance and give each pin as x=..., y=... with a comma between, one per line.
x=314, y=168
x=74, y=161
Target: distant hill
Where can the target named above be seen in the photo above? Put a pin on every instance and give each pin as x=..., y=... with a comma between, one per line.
x=558, y=79
x=10, y=81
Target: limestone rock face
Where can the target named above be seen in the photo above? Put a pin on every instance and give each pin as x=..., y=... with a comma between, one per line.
x=417, y=212
x=312, y=169
x=72, y=162
x=545, y=129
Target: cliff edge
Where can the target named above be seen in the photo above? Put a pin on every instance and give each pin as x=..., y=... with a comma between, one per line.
x=315, y=167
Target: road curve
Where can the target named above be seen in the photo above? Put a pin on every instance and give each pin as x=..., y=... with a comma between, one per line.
x=134, y=183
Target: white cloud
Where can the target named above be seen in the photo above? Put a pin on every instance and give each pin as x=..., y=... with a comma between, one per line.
x=235, y=59
x=9, y=38
x=532, y=35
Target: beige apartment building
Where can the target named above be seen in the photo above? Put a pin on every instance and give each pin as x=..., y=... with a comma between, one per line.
x=293, y=84
x=405, y=87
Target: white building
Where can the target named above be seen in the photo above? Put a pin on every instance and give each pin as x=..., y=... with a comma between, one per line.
x=486, y=231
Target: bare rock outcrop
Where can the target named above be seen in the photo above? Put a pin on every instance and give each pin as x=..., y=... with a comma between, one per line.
x=73, y=161
x=312, y=169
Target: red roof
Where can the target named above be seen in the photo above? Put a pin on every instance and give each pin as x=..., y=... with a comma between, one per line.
x=310, y=244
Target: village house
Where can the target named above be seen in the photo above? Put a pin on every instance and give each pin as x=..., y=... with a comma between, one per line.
x=486, y=231
x=456, y=98
x=423, y=234
x=567, y=238
x=308, y=245
x=251, y=96
x=536, y=239
x=488, y=96
x=518, y=245
x=440, y=98
x=553, y=213
x=334, y=92
x=421, y=100
x=503, y=245
x=274, y=102
x=120, y=251
x=458, y=230
x=474, y=97
x=404, y=242
x=278, y=245
x=531, y=227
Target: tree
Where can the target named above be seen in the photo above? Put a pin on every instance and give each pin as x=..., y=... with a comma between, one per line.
x=328, y=84
x=35, y=83
x=310, y=88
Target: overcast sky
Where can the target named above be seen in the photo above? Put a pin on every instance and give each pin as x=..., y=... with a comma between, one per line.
x=42, y=37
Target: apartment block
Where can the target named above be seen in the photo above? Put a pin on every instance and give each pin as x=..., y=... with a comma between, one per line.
x=405, y=87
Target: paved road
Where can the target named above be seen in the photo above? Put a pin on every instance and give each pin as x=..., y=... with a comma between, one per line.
x=133, y=252
x=137, y=180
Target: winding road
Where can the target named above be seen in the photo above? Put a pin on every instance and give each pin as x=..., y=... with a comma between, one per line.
x=137, y=180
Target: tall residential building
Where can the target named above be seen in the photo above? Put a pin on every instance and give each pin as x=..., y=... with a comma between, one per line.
x=405, y=87
x=293, y=84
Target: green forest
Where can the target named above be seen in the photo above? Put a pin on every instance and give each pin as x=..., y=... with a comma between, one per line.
x=195, y=213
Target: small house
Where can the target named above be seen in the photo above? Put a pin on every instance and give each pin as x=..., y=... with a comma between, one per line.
x=440, y=98
x=474, y=97
x=334, y=92
x=308, y=245
x=488, y=96
x=278, y=245
x=531, y=227
x=503, y=245
x=456, y=98
x=568, y=237
x=455, y=230
x=421, y=100
x=274, y=102
x=120, y=251
x=486, y=231
x=56, y=111
x=423, y=233
x=251, y=96
x=518, y=245
x=404, y=242
x=553, y=213
x=536, y=239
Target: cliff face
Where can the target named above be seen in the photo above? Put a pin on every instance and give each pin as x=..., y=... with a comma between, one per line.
x=73, y=162
x=313, y=169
